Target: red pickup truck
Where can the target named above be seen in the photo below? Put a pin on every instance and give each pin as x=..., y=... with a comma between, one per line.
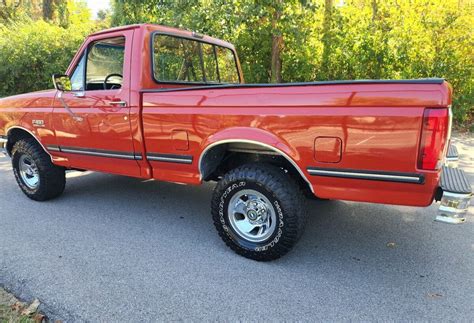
x=160, y=103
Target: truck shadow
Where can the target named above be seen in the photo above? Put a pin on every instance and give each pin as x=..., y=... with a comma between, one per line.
x=344, y=235
x=158, y=239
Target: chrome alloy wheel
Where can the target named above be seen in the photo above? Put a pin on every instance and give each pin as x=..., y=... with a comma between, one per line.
x=29, y=172
x=252, y=216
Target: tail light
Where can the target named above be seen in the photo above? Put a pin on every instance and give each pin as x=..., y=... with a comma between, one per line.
x=434, y=138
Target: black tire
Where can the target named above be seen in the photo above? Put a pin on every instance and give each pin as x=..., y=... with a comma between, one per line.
x=282, y=192
x=52, y=179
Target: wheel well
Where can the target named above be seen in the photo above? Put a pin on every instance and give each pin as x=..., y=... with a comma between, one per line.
x=220, y=159
x=16, y=134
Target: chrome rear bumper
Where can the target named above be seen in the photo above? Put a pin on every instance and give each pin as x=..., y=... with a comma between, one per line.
x=456, y=196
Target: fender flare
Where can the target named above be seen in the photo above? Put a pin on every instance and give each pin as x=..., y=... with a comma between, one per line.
x=32, y=134
x=252, y=136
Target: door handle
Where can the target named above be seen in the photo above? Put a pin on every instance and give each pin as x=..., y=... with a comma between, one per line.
x=79, y=94
x=121, y=104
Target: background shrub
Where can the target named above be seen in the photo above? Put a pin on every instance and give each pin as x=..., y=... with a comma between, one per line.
x=31, y=51
x=277, y=40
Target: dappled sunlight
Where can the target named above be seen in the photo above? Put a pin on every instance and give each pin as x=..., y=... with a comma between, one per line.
x=5, y=164
x=465, y=145
x=75, y=174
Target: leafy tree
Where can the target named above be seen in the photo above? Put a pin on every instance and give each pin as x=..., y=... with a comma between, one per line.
x=277, y=40
x=10, y=10
x=41, y=48
x=287, y=41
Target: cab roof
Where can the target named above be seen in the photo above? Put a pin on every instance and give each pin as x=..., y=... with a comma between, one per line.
x=167, y=30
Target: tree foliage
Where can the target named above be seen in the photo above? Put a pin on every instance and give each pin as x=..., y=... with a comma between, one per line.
x=332, y=39
x=277, y=40
x=32, y=48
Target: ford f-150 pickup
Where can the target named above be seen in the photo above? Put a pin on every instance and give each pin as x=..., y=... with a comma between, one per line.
x=160, y=103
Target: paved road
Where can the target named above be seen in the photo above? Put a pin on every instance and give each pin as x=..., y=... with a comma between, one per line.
x=114, y=248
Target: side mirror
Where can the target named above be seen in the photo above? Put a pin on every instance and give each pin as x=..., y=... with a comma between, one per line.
x=62, y=82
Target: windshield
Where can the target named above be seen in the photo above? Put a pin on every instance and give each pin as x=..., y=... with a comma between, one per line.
x=182, y=60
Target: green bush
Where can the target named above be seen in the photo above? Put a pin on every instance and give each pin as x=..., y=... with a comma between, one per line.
x=333, y=40
x=31, y=51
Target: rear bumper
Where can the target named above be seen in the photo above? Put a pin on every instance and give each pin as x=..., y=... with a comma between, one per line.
x=3, y=144
x=456, y=196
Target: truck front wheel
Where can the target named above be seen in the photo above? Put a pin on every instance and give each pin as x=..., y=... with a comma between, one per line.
x=36, y=175
x=259, y=211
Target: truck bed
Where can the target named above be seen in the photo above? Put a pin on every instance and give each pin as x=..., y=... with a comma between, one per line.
x=374, y=126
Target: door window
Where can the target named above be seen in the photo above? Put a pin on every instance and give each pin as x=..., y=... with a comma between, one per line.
x=77, y=77
x=104, y=67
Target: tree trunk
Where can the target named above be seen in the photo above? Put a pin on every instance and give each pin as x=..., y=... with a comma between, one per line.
x=8, y=10
x=374, y=10
x=48, y=10
x=379, y=48
x=326, y=38
x=60, y=7
x=277, y=45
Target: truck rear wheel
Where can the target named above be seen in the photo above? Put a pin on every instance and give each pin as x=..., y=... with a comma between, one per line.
x=36, y=175
x=259, y=211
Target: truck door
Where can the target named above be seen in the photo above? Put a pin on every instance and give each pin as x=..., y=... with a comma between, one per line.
x=92, y=122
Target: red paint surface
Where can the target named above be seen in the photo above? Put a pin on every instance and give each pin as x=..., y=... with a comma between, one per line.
x=328, y=149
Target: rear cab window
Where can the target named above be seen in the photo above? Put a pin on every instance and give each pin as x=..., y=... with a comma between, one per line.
x=192, y=61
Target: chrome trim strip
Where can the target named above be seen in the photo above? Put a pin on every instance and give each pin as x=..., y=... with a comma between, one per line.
x=53, y=148
x=450, y=123
x=368, y=175
x=97, y=153
x=227, y=141
x=169, y=158
x=457, y=195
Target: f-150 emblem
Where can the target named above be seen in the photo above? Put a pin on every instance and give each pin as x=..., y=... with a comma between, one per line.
x=38, y=123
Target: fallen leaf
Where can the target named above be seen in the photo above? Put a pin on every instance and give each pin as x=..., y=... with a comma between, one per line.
x=32, y=308
x=18, y=306
x=39, y=318
x=391, y=245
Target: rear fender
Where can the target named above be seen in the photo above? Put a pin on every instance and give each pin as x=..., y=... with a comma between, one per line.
x=252, y=136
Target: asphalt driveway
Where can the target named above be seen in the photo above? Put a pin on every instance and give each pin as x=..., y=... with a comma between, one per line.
x=115, y=248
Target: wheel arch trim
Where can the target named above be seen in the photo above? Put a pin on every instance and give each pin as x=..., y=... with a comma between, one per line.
x=31, y=134
x=254, y=142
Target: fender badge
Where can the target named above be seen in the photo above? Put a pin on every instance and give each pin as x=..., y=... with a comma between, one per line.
x=38, y=123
